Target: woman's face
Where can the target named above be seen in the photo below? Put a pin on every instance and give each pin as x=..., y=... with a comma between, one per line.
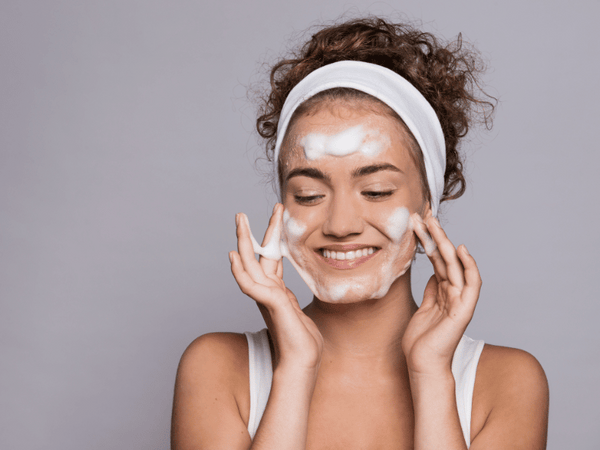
x=349, y=187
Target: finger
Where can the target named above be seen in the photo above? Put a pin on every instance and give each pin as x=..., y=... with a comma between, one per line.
x=246, y=283
x=246, y=249
x=431, y=250
x=279, y=271
x=473, y=281
x=272, y=240
x=446, y=249
x=430, y=294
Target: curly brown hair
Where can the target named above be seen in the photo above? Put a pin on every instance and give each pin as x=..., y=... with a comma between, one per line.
x=446, y=74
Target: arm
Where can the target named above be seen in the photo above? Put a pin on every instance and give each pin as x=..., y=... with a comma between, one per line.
x=516, y=396
x=285, y=421
x=205, y=414
x=513, y=390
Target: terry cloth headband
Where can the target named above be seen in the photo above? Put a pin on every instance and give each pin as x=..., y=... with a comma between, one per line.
x=391, y=89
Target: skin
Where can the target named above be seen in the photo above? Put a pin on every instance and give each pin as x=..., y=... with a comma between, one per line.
x=364, y=372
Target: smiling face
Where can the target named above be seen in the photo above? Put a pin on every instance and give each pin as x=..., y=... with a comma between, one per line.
x=349, y=186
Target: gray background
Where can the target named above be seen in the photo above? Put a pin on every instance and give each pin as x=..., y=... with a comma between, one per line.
x=127, y=146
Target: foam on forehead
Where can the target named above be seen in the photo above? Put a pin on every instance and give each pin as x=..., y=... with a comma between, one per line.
x=391, y=89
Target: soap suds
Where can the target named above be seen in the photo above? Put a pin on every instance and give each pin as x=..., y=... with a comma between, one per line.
x=293, y=228
x=283, y=243
x=337, y=292
x=397, y=224
x=427, y=242
x=272, y=250
x=351, y=140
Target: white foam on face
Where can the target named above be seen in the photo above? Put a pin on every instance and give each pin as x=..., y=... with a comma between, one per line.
x=284, y=243
x=337, y=292
x=293, y=228
x=397, y=224
x=395, y=260
x=351, y=140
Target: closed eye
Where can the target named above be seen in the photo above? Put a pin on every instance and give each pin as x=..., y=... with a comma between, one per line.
x=376, y=195
x=307, y=199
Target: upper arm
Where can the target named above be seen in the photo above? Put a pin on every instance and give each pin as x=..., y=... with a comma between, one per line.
x=206, y=412
x=516, y=393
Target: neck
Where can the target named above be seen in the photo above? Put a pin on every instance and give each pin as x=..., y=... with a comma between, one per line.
x=368, y=331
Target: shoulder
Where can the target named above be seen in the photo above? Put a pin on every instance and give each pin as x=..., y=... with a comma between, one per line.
x=211, y=401
x=504, y=370
x=215, y=358
x=221, y=349
x=511, y=394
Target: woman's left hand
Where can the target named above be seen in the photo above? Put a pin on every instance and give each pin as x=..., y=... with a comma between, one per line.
x=448, y=304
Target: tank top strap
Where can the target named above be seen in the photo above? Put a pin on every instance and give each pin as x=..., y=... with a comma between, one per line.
x=260, y=374
x=464, y=369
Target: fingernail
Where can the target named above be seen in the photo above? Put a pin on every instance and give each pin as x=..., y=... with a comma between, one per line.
x=418, y=218
x=230, y=257
x=466, y=251
x=437, y=222
x=237, y=220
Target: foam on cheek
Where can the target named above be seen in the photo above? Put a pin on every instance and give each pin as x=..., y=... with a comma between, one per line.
x=397, y=224
x=351, y=140
x=293, y=228
x=310, y=282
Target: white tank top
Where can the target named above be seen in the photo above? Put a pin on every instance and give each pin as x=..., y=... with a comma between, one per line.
x=464, y=367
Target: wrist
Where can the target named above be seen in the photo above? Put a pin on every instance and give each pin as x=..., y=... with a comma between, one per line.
x=442, y=377
x=295, y=374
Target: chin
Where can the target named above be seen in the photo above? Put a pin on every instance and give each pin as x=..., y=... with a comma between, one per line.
x=358, y=289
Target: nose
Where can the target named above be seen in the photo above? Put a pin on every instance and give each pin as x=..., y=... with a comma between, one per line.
x=343, y=218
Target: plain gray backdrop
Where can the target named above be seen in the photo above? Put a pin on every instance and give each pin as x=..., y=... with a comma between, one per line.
x=127, y=146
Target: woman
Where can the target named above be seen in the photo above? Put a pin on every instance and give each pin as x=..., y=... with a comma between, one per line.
x=363, y=124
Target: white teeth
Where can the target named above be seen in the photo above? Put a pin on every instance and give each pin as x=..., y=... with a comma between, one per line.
x=341, y=256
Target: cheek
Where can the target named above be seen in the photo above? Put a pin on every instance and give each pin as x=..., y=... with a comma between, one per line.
x=397, y=224
x=293, y=228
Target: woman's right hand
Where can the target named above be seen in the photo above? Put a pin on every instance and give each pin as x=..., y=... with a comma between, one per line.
x=297, y=341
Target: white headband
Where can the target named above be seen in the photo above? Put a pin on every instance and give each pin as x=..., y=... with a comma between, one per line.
x=393, y=90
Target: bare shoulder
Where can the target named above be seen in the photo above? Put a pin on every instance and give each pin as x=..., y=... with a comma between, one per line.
x=504, y=370
x=218, y=361
x=510, y=396
x=223, y=353
x=211, y=400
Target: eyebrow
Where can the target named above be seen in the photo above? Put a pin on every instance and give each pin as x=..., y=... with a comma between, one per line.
x=310, y=172
x=368, y=170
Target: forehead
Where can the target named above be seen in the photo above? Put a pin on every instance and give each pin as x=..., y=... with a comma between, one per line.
x=339, y=118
